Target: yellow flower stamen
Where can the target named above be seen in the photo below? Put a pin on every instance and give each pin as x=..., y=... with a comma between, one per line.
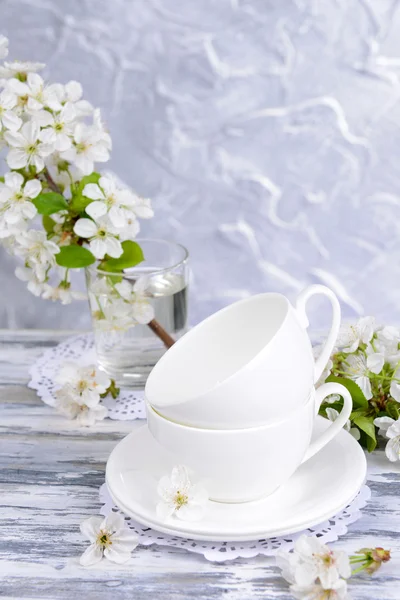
x=180, y=499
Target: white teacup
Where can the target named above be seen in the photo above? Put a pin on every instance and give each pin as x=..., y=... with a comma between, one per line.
x=239, y=465
x=243, y=366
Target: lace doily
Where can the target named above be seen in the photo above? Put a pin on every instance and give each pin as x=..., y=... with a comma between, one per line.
x=327, y=532
x=128, y=406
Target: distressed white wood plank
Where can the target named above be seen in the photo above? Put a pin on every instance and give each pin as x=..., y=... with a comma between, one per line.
x=50, y=472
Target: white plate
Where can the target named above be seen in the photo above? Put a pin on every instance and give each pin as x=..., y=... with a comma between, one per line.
x=319, y=489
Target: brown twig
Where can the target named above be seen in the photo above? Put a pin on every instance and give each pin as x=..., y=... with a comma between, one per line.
x=51, y=183
x=164, y=336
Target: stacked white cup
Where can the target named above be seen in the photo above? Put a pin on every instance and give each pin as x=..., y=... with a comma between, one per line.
x=234, y=399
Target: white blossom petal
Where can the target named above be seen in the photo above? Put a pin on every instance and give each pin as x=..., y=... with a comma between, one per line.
x=383, y=423
x=365, y=385
x=85, y=228
x=92, y=191
x=165, y=510
x=90, y=527
x=92, y=555
x=96, y=209
x=392, y=449
x=11, y=120
x=32, y=188
x=98, y=248
x=375, y=362
x=17, y=159
x=114, y=248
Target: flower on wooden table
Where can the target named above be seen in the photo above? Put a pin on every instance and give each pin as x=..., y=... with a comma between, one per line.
x=81, y=391
x=315, y=591
x=180, y=497
x=315, y=572
x=109, y=537
x=72, y=407
x=313, y=560
x=371, y=559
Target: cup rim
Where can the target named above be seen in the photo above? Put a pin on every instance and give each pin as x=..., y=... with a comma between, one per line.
x=140, y=240
x=200, y=430
x=188, y=336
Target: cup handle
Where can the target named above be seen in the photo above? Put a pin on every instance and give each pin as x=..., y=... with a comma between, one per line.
x=328, y=347
x=320, y=394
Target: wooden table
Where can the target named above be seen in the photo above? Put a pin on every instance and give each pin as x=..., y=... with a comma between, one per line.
x=50, y=475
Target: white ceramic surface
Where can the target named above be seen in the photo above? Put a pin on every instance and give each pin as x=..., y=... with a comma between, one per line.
x=319, y=489
x=243, y=366
x=239, y=465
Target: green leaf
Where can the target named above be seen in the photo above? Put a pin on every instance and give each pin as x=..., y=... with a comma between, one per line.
x=132, y=255
x=79, y=202
x=371, y=444
x=50, y=203
x=48, y=224
x=357, y=396
x=366, y=424
x=74, y=257
x=392, y=408
x=360, y=412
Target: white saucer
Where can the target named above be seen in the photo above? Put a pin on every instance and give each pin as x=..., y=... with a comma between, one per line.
x=319, y=489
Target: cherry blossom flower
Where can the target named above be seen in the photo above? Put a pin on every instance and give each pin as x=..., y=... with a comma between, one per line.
x=131, y=229
x=119, y=204
x=58, y=128
x=72, y=407
x=72, y=93
x=142, y=310
x=19, y=69
x=86, y=383
x=109, y=537
x=27, y=149
x=62, y=293
x=333, y=414
x=390, y=428
x=29, y=275
x=101, y=237
x=313, y=560
x=8, y=118
x=113, y=317
x=180, y=497
x=15, y=199
x=358, y=368
x=351, y=336
x=37, y=251
x=37, y=94
x=89, y=146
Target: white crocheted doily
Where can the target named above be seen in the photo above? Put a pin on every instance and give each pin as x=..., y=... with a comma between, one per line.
x=327, y=532
x=128, y=406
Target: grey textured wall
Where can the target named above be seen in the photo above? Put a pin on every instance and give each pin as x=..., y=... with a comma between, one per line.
x=266, y=131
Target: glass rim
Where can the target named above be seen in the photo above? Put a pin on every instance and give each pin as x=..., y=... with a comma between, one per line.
x=183, y=261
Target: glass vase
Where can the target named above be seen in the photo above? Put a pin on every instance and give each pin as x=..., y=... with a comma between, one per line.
x=129, y=308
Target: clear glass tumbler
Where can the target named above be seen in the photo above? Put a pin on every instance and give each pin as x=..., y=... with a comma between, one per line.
x=128, y=308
